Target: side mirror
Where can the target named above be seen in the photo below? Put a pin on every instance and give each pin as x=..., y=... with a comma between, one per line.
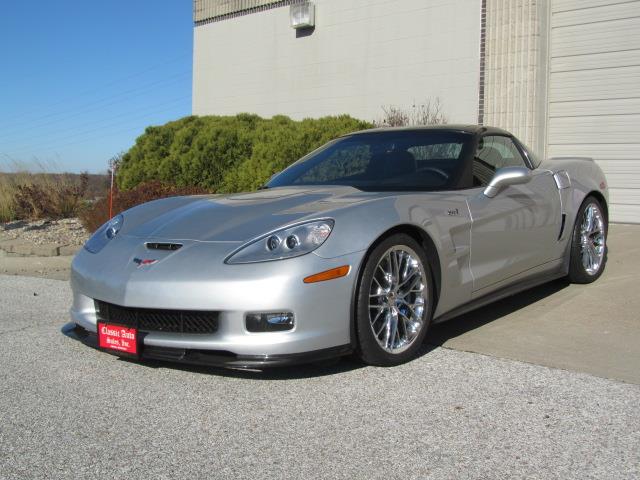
x=507, y=176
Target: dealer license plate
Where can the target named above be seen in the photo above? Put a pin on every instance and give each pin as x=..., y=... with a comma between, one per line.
x=118, y=339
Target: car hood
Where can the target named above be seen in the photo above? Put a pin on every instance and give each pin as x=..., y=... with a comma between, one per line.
x=239, y=217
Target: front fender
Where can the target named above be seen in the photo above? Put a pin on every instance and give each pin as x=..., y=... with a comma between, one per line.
x=444, y=217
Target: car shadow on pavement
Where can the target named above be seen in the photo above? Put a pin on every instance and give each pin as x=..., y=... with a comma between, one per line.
x=326, y=368
x=294, y=372
x=441, y=332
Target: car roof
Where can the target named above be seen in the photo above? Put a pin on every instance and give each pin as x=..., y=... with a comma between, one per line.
x=453, y=128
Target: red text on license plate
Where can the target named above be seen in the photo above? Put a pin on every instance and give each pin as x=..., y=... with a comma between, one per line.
x=116, y=337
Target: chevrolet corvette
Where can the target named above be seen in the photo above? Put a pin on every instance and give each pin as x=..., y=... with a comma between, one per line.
x=357, y=248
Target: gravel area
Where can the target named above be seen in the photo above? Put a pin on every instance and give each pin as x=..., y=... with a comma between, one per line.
x=69, y=411
x=68, y=231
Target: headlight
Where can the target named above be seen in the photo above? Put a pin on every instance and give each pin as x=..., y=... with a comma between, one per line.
x=105, y=233
x=286, y=243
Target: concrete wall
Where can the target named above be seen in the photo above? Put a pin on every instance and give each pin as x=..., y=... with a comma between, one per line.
x=363, y=54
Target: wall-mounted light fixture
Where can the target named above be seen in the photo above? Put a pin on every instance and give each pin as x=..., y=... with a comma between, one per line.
x=303, y=15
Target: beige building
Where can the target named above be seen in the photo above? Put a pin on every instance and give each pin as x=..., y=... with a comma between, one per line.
x=563, y=75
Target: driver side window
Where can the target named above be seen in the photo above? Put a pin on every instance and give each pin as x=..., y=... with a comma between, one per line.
x=494, y=152
x=349, y=162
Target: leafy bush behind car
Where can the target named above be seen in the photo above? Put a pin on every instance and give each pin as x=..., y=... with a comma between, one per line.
x=226, y=154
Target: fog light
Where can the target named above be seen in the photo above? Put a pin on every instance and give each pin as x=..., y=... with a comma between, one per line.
x=269, y=322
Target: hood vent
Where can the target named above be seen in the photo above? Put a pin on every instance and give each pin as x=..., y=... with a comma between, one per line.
x=172, y=247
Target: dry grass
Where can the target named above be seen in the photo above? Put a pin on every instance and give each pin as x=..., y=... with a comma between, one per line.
x=30, y=193
x=8, y=190
x=7, y=210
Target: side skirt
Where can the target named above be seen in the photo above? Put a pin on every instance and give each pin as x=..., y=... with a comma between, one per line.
x=505, y=292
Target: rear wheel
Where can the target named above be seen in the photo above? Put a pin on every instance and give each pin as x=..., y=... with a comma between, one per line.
x=589, y=243
x=395, y=302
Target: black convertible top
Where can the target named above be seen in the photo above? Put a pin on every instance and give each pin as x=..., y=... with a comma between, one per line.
x=472, y=129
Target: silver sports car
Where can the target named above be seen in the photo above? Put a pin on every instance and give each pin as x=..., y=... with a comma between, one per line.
x=356, y=248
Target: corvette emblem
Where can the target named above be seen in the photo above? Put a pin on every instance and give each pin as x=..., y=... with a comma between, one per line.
x=143, y=262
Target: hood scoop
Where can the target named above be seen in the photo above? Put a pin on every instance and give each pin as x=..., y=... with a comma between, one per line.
x=171, y=247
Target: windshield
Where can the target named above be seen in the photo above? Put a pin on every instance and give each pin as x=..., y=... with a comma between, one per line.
x=389, y=160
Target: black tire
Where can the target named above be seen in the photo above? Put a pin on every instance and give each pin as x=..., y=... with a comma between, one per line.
x=578, y=272
x=369, y=349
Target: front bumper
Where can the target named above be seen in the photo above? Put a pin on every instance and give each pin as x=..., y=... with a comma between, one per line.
x=212, y=358
x=194, y=278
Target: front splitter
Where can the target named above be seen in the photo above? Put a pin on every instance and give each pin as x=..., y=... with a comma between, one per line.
x=215, y=358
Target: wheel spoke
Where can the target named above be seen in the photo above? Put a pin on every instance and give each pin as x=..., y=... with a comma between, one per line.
x=585, y=259
x=594, y=256
x=386, y=276
x=394, y=268
x=385, y=326
x=380, y=312
x=415, y=281
x=408, y=277
x=407, y=323
x=589, y=219
x=405, y=271
x=392, y=330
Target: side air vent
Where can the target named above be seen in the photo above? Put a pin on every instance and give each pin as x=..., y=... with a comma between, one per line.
x=562, y=225
x=562, y=179
x=164, y=246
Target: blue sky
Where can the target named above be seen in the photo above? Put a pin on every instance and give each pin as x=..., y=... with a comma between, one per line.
x=80, y=80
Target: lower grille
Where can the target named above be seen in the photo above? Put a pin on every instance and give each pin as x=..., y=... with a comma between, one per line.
x=155, y=320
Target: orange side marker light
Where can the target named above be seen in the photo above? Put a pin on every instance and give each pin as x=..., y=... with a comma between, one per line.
x=329, y=274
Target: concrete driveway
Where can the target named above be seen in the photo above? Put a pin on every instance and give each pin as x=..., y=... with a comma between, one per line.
x=587, y=328
x=69, y=411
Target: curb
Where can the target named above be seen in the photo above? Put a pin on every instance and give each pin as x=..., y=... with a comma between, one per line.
x=22, y=248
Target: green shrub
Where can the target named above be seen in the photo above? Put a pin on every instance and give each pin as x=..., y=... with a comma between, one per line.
x=226, y=154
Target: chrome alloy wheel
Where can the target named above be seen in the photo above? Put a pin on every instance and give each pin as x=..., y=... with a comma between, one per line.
x=592, y=239
x=397, y=299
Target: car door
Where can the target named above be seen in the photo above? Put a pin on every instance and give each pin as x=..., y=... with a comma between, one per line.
x=516, y=231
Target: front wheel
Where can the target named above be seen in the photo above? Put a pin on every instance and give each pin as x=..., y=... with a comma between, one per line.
x=395, y=302
x=589, y=243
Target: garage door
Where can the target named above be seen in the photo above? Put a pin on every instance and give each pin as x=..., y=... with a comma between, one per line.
x=594, y=92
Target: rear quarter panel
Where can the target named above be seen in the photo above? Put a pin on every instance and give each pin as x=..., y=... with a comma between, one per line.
x=586, y=178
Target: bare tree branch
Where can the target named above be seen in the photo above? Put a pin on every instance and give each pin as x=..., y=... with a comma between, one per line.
x=429, y=112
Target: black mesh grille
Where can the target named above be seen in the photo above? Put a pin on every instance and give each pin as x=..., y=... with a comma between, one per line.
x=153, y=320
